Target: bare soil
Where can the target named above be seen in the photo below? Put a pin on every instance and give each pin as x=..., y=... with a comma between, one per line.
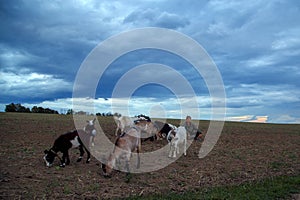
x=245, y=152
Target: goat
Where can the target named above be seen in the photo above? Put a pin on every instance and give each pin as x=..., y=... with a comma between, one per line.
x=175, y=138
x=77, y=138
x=62, y=144
x=128, y=142
x=154, y=130
x=90, y=129
x=142, y=117
x=149, y=129
x=122, y=122
x=163, y=129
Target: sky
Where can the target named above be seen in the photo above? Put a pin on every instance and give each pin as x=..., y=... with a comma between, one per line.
x=255, y=46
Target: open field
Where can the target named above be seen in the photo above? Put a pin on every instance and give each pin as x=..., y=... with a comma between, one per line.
x=245, y=152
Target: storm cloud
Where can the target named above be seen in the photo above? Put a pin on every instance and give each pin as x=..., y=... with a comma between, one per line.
x=255, y=46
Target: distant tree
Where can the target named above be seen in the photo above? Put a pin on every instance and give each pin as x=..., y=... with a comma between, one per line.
x=34, y=109
x=117, y=114
x=27, y=110
x=40, y=109
x=19, y=108
x=109, y=114
x=16, y=108
x=70, y=112
x=47, y=110
x=10, y=108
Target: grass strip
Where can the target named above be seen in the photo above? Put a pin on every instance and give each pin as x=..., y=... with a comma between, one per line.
x=272, y=188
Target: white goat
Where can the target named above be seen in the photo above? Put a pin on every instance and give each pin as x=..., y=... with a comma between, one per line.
x=90, y=129
x=122, y=122
x=175, y=138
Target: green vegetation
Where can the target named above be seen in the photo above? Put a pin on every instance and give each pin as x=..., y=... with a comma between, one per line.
x=67, y=189
x=274, y=188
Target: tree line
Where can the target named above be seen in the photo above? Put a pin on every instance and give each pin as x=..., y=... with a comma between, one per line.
x=107, y=114
x=19, y=108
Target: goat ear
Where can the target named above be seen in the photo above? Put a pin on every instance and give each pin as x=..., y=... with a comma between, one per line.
x=87, y=121
x=94, y=120
x=46, y=151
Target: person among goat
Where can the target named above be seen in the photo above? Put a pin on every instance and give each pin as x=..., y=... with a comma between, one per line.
x=192, y=129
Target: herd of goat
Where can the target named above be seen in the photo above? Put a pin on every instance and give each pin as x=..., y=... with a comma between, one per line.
x=132, y=133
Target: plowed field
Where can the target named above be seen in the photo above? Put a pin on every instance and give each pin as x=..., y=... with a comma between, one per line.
x=244, y=152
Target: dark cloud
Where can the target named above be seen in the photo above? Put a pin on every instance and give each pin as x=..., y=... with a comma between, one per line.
x=256, y=47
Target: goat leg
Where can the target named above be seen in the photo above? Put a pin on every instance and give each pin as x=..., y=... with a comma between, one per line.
x=88, y=154
x=170, y=150
x=116, y=132
x=81, y=153
x=63, y=160
x=184, y=147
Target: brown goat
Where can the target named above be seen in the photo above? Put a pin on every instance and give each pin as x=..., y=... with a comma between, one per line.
x=128, y=142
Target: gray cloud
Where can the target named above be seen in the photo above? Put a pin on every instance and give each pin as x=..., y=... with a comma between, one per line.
x=154, y=17
x=255, y=45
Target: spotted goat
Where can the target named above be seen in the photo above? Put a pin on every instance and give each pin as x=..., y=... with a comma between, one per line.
x=74, y=139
